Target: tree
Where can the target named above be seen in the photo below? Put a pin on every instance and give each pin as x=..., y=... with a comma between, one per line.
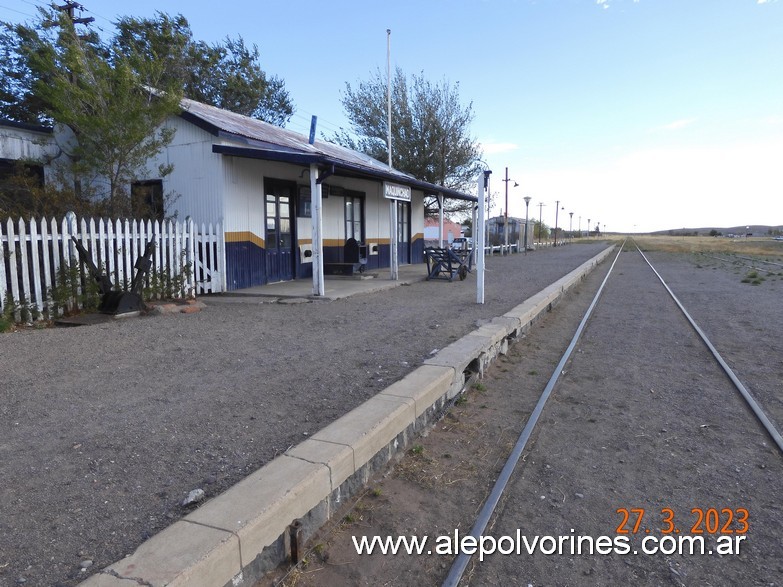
x=430, y=132
x=97, y=98
x=17, y=100
x=162, y=54
x=540, y=231
x=227, y=75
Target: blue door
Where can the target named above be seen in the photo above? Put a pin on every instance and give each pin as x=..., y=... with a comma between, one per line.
x=279, y=237
x=403, y=232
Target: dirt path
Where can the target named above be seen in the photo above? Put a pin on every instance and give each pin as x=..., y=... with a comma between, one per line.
x=640, y=419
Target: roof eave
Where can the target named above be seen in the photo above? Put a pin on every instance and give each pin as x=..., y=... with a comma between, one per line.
x=300, y=158
x=27, y=126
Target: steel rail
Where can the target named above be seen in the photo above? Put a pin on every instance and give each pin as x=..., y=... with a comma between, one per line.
x=462, y=560
x=460, y=563
x=749, y=399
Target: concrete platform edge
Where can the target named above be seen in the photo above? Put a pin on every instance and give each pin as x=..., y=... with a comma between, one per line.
x=237, y=537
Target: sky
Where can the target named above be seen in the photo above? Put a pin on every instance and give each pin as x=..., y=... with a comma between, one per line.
x=642, y=115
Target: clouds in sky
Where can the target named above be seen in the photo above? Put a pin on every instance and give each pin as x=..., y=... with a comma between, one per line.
x=491, y=148
x=607, y=3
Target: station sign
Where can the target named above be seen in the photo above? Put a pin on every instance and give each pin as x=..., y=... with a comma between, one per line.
x=393, y=191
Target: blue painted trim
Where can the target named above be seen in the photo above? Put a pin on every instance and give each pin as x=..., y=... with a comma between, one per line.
x=245, y=265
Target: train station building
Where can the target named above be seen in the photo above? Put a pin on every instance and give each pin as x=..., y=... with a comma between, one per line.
x=289, y=205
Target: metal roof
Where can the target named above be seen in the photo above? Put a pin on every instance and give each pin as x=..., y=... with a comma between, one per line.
x=26, y=126
x=262, y=140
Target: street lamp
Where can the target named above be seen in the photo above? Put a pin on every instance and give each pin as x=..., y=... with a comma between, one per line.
x=557, y=210
x=540, y=216
x=571, y=225
x=505, y=226
x=588, y=228
x=527, y=204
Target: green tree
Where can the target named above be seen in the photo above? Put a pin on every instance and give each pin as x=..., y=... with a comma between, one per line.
x=227, y=75
x=430, y=132
x=17, y=100
x=111, y=125
x=540, y=231
x=162, y=53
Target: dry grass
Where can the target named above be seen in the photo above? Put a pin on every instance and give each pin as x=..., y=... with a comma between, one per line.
x=765, y=247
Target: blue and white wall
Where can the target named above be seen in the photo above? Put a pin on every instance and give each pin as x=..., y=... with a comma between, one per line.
x=211, y=187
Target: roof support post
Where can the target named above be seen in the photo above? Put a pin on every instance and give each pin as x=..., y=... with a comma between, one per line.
x=473, y=234
x=483, y=185
x=394, y=265
x=316, y=212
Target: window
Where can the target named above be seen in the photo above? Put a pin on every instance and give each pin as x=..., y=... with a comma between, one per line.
x=304, y=208
x=147, y=199
x=354, y=216
x=17, y=179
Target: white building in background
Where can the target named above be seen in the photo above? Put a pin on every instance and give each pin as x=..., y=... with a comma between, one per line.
x=30, y=145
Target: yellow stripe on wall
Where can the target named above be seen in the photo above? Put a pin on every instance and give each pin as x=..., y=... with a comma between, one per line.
x=248, y=236
x=245, y=236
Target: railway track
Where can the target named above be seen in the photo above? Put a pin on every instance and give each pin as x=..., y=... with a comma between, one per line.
x=728, y=400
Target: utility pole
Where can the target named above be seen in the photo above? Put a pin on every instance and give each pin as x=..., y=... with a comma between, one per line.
x=505, y=226
x=388, y=96
x=69, y=8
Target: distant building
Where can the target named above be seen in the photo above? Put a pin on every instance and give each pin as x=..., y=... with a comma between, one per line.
x=496, y=227
x=25, y=147
x=451, y=230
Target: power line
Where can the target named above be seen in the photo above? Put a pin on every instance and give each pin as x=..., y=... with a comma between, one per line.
x=322, y=122
x=17, y=11
x=110, y=21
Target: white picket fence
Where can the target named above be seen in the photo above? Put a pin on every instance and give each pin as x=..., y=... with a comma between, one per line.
x=35, y=254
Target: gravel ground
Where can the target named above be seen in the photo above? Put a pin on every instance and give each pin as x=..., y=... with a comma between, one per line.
x=641, y=417
x=645, y=419
x=107, y=428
